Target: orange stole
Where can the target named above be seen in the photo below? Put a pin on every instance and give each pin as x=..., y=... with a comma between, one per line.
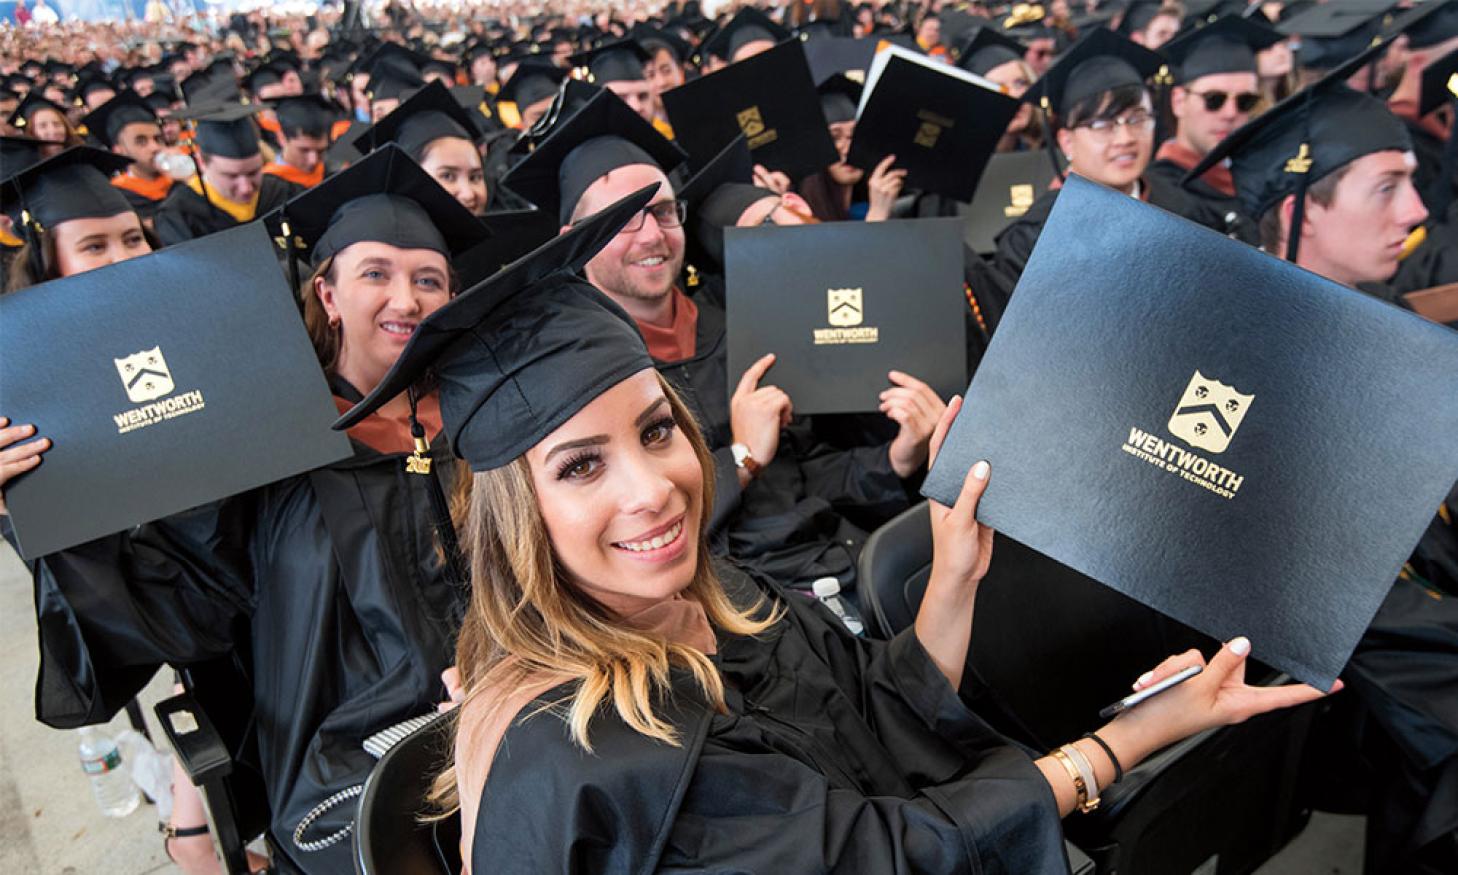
x=306, y=178
x=151, y=189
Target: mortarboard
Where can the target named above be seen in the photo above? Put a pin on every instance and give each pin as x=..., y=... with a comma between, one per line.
x=73, y=184
x=427, y=115
x=227, y=131
x=33, y=102
x=1427, y=24
x=603, y=135
x=1100, y=62
x=653, y=40
x=749, y=25
x=311, y=114
x=105, y=122
x=385, y=198
x=264, y=75
x=984, y=47
x=1228, y=45
x=535, y=80
x=1138, y=15
x=522, y=352
x=18, y=153
x=90, y=86
x=213, y=84
x=839, y=97
x=1302, y=139
x=1440, y=83
x=620, y=61
x=439, y=65
x=1334, y=32
x=716, y=196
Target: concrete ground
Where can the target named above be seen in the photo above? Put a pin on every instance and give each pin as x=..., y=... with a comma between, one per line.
x=49, y=824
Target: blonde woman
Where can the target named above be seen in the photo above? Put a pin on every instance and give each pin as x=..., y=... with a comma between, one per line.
x=633, y=705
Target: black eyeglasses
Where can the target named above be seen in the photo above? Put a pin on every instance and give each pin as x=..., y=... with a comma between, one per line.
x=1215, y=100
x=668, y=214
x=1138, y=120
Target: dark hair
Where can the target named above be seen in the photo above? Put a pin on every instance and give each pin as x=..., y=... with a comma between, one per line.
x=297, y=130
x=1107, y=105
x=1322, y=192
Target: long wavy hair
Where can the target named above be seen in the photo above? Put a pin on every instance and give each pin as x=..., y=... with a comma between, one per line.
x=527, y=621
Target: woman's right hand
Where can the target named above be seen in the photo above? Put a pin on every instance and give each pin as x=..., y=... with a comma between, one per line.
x=15, y=457
x=1218, y=696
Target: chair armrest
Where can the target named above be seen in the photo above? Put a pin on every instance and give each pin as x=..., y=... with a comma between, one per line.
x=199, y=748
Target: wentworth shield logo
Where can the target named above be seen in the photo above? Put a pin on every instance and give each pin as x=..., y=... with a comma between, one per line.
x=145, y=375
x=1208, y=414
x=844, y=307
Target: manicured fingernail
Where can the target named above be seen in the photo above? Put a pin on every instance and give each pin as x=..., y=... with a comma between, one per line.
x=979, y=470
x=1240, y=646
x=1144, y=679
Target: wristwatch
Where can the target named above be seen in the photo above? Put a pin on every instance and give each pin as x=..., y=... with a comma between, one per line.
x=744, y=459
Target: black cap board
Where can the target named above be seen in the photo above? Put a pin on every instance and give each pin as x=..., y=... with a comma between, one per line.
x=32, y=103
x=160, y=414
x=212, y=85
x=426, y=116
x=385, y=198
x=1333, y=33
x=105, y=123
x=840, y=98
x=984, y=47
x=653, y=40
x=1138, y=15
x=18, y=153
x=620, y=61
x=603, y=135
x=747, y=26
x=942, y=123
x=1309, y=134
x=770, y=98
x=227, y=131
x=1227, y=45
x=1440, y=83
x=519, y=354
x=73, y=184
x=535, y=80
x=90, y=86
x=1100, y=62
x=265, y=75
x=716, y=196
x=313, y=114
x=514, y=233
x=1429, y=23
x=1215, y=463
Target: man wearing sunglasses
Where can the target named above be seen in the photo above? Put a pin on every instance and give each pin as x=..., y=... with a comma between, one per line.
x=1216, y=91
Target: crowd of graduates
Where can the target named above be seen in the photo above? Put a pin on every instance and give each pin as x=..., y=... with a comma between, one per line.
x=402, y=155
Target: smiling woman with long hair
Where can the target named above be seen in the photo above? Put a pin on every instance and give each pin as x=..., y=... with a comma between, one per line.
x=632, y=704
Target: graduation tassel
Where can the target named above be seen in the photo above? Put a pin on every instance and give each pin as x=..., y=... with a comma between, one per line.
x=202, y=184
x=1300, y=165
x=1048, y=140
x=445, y=528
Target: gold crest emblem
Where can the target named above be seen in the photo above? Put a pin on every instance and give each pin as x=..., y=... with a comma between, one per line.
x=927, y=134
x=144, y=375
x=844, y=307
x=750, y=122
x=1302, y=162
x=1208, y=414
x=1020, y=198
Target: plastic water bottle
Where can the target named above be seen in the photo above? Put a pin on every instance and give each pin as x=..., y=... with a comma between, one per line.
x=175, y=165
x=827, y=589
x=110, y=782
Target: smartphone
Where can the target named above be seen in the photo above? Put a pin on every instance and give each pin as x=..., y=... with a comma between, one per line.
x=1128, y=702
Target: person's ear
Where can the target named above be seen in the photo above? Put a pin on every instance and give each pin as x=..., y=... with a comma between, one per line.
x=1065, y=141
x=1177, y=97
x=325, y=291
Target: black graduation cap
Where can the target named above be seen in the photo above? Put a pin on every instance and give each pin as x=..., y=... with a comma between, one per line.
x=475, y=48
x=535, y=79
x=17, y=82
x=1427, y=23
x=447, y=68
x=18, y=153
x=984, y=47
x=514, y=233
x=1440, y=83
x=603, y=135
x=747, y=26
x=213, y=84
x=73, y=184
x=227, y=131
x=839, y=98
x=386, y=198
x=522, y=352
x=106, y=121
x=1228, y=45
x=91, y=85
x=1025, y=21
x=58, y=68
x=428, y=115
x=1101, y=61
x=391, y=81
x=619, y=61
x=654, y=40
x=29, y=105
x=311, y=113
x=716, y=197
x=1303, y=138
x=1334, y=32
x=264, y=75
x=1138, y=15
x=159, y=101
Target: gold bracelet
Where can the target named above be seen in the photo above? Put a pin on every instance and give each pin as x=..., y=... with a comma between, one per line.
x=1079, y=787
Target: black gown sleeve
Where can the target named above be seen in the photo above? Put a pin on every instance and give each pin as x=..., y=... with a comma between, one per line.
x=726, y=490
x=112, y=611
x=859, y=478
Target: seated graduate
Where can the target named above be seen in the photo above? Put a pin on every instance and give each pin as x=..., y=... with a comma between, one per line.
x=304, y=124
x=440, y=135
x=835, y=193
x=784, y=494
x=1216, y=89
x=326, y=579
x=1428, y=64
x=232, y=189
x=992, y=55
x=128, y=126
x=45, y=120
x=78, y=220
x=631, y=704
x=1103, y=116
x=1330, y=174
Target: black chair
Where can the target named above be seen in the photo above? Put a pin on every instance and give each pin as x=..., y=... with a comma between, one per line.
x=389, y=836
x=210, y=728
x=1052, y=647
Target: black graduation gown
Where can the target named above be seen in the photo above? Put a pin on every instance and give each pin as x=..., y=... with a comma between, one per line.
x=1202, y=202
x=145, y=207
x=789, y=523
x=331, y=577
x=185, y=215
x=837, y=754
x=1428, y=148
x=1434, y=262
